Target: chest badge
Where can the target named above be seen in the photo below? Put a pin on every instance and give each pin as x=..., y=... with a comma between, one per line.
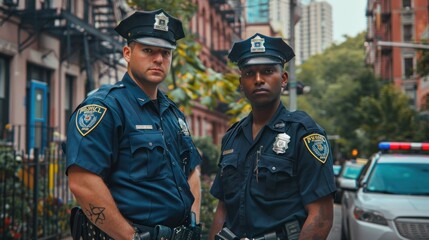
x=88, y=117
x=281, y=143
x=183, y=127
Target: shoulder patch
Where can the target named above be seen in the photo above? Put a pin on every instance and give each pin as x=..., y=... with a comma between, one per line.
x=88, y=117
x=318, y=146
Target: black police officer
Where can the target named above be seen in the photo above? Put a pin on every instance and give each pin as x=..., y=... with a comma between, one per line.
x=275, y=178
x=132, y=165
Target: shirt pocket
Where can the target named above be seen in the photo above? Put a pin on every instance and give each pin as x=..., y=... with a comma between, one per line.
x=230, y=175
x=148, y=161
x=274, y=178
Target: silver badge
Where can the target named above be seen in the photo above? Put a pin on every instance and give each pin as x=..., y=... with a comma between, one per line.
x=257, y=44
x=161, y=22
x=280, y=145
x=183, y=126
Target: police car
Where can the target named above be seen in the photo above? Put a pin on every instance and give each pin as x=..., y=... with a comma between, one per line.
x=390, y=199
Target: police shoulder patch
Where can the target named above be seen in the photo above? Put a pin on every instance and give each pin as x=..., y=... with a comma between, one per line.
x=88, y=117
x=318, y=146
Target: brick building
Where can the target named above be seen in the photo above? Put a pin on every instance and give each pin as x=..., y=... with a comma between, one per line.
x=395, y=31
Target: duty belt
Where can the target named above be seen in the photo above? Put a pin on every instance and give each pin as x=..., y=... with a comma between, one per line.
x=163, y=232
x=289, y=231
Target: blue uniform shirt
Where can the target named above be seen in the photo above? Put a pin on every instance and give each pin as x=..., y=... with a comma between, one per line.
x=143, y=156
x=266, y=182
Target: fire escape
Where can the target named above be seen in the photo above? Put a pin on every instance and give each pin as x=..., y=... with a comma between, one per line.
x=83, y=41
x=230, y=10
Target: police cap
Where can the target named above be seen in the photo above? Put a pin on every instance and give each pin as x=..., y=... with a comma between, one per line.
x=154, y=28
x=260, y=49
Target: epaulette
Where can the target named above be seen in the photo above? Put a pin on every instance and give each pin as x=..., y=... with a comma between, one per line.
x=302, y=118
x=231, y=131
x=104, y=90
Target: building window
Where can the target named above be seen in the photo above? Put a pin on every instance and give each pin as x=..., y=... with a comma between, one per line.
x=4, y=98
x=408, y=32
x=408, y=67
x=257, y=11
x=406, y=3
x=68, y=98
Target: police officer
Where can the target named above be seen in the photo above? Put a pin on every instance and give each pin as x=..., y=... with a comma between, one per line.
x=130, y=157
x=275, y=178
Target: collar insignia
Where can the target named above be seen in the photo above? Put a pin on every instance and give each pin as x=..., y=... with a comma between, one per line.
x=281, y=143
x=161, y=22
x=257, y=44
x=318, y=146
x=88, y=117
x=279, y=125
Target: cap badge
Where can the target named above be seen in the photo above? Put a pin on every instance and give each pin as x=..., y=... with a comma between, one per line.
x=161, y=22
x=257, y=44
x=281, y=143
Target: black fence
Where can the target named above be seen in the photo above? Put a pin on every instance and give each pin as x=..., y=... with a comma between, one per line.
x=35, y=199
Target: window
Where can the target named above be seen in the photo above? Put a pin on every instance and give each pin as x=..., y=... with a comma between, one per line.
x=407, y=32
x=4, y=103
x=257, y=11
x=408, y=67
x=406, y=3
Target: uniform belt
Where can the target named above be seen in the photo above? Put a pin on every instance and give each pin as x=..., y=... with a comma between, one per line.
x=163, y=232
x=157, y=232
x=289, y=231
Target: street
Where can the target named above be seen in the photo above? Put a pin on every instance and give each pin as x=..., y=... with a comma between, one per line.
x=335, y=233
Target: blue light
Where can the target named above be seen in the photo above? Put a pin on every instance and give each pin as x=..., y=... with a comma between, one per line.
x=384, y=146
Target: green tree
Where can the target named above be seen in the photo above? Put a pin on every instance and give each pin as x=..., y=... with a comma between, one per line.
x=210, y=154
x=387, y=118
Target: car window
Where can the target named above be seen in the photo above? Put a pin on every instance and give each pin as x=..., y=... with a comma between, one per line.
x=352, y=171
x=400, y=178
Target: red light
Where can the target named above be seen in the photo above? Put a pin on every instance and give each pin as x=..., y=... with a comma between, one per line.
x=405, y=146
x=425, y=146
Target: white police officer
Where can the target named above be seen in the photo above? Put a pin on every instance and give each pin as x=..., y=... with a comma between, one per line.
x=131, y=160
x=275, y=178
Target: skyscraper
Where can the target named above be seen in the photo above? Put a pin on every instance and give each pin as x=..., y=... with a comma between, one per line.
x=313, y=33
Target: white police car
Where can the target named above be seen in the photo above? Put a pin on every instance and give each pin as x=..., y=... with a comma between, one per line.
x=390, y=199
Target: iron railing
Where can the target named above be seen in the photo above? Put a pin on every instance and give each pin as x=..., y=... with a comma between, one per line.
x=35, y=199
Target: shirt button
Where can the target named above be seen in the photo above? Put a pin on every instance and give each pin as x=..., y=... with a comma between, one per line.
x=273, y=168
x=180, y=188
x=174, y=163
x=150, y=144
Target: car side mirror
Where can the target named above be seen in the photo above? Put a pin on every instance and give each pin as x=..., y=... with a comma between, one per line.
x=349, y=185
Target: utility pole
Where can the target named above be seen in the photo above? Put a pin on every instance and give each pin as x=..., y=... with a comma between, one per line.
x=292, y=80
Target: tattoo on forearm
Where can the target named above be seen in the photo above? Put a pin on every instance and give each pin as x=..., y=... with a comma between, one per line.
x=96, y=214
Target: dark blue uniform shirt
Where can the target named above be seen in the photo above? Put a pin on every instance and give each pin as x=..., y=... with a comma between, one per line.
x=266, y=182
x=143, y=156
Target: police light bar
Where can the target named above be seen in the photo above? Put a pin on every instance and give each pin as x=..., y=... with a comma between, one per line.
x=403, y=146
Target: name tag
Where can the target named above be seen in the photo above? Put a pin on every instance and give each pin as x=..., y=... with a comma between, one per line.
x=229, y=151
x=144, y=127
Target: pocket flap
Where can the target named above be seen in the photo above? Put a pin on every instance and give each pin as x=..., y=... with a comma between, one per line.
x=229, y=160
x=274, y=164
x=146, y=140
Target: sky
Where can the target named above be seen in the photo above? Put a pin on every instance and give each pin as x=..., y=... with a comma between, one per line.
x=348, y=17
